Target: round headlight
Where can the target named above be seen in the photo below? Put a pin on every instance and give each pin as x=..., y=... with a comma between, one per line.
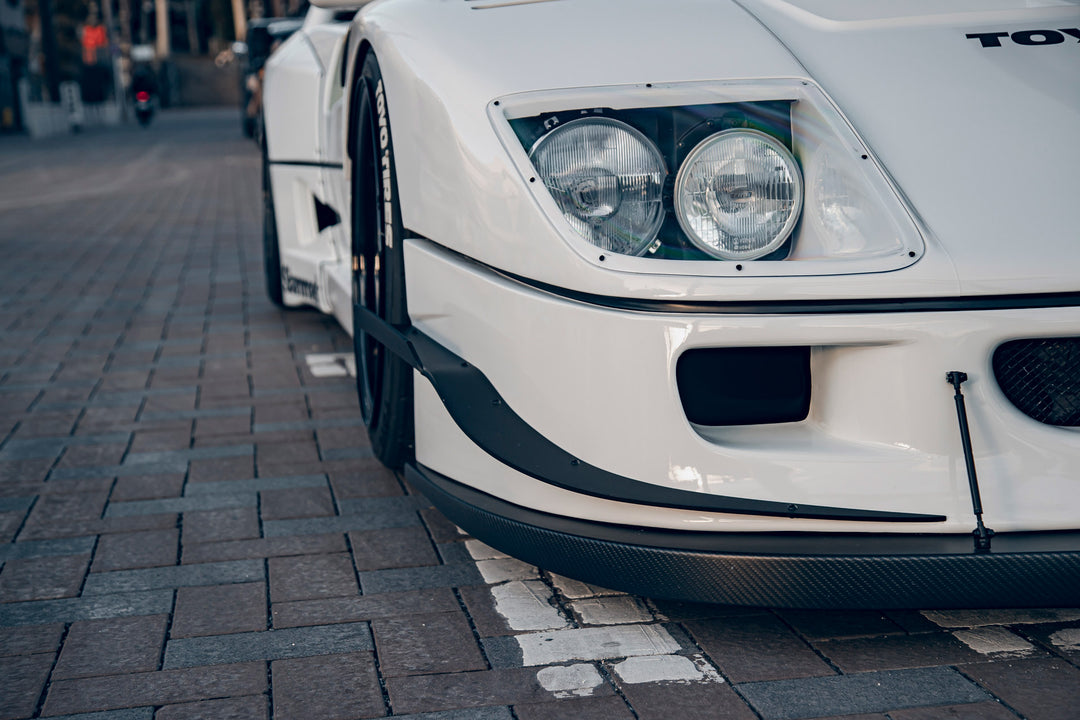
x=738, y=194
x=607, y=179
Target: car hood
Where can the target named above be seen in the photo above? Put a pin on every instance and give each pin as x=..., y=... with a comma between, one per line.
x=973, y=107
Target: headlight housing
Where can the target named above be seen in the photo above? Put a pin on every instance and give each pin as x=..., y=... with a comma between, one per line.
x=810, y=193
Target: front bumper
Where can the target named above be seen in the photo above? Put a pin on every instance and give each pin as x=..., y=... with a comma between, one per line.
x=796, y=570
x=551, y=463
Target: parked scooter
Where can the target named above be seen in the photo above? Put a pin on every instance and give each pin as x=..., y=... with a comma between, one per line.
x=144, y=90
x=144, y=107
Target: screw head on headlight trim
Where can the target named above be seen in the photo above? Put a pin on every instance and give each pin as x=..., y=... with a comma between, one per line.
x=607, y=179
x=738, y=194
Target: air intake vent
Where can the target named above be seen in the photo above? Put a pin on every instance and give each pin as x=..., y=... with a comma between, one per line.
x=744, y=386
x=1041, y=377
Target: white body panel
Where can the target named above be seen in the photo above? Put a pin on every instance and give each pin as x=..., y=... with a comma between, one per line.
x=978, y=146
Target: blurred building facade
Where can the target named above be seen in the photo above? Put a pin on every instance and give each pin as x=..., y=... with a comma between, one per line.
x=98, y=44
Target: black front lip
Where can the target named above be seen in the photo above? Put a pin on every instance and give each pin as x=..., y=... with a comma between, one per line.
x=784, y=570
x=486, y=419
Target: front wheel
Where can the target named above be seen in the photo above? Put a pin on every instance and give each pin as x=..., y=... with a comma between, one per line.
x=383, y=380
x=271, y=249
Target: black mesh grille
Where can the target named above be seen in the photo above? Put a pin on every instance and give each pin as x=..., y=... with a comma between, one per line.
x=1041, y=376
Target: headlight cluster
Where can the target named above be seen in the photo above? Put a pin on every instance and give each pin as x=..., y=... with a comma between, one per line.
x=737, y=194
x=764, y=170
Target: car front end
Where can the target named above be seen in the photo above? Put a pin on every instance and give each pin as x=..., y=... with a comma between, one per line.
x=751, y=323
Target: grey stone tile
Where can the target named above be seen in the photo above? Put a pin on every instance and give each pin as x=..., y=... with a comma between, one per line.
x=255, y=485
x=32, y=640
x=118, y=398
x=219, y=610
x=306, y=425
x=127, y=551
x=86, y=608
x=394, y=548
x=163, y=687
x=188, y=503
x=294, y=503
x=169, y=467
x=268, y=645
x=480, y=713
x=241, y=411
x=17, y=449
x=47, y=548
x=250, y=707
x=383, y=505
x=306, y=577
x=330, y=687
x=111, y=647
x=347, y=453
x=325, y=611
x=23, y=679
x=402, y=579
x=141, y=713
x=263, y=548
x=862, y=693
x=206, y=453
x=1043, y=688
x=126, y=581
x=28, y=579
x=221, y=525
x=398, y=517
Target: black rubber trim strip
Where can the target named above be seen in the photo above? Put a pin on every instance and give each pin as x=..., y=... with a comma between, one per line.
x=308, y=163
x=483, y=415
x=785, y=570
x=807, y=307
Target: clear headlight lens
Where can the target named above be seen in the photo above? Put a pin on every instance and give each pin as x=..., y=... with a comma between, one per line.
x=738, y=194
x=607, y=179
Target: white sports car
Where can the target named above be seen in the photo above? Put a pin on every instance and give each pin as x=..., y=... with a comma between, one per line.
x=767, y=302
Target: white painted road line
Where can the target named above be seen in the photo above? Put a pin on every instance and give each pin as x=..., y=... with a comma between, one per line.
x=615, y=610
x=981, y=618
x=996, y=641
x=575, y=589
x=599, y=643
x=501, y=570
x=665, y=668
x=527, y=605
x=579, y=680
x=323, y=365
x=1067, y=639
x=480, y=551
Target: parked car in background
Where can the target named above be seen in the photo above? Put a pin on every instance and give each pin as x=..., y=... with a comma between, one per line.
x=764, y=302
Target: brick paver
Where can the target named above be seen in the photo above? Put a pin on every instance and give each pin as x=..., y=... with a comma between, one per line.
x=192, y=524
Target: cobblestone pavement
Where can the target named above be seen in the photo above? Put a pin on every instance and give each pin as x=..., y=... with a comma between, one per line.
x=192, y=526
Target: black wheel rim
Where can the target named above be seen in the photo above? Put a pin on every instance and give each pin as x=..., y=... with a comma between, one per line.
x=369, y=267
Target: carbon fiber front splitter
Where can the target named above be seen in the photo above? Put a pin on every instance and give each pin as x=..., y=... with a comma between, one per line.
x=784, y=570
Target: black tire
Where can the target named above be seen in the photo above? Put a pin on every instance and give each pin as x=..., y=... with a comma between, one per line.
x=271, y=250
x=383, y=380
